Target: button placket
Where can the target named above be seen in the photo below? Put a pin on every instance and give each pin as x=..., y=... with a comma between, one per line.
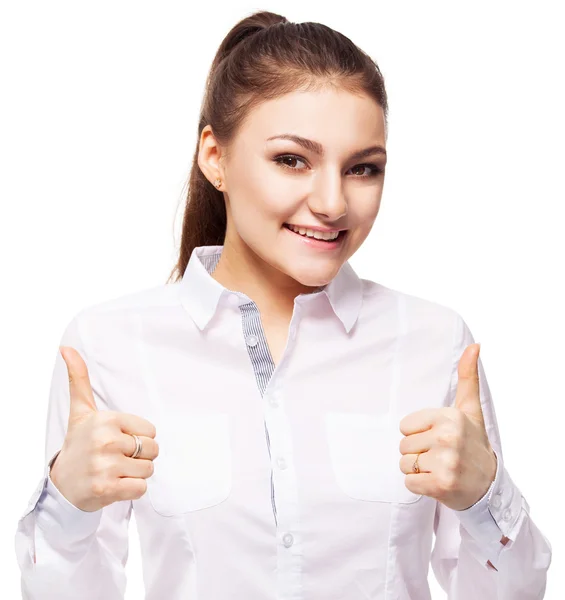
x=278, y=433
x=284, y=497
x=251, y=340
x=289, y=555
x=263, y=367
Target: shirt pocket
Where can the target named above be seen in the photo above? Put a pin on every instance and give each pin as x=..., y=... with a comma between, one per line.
x=365, y=457
x=194, y=468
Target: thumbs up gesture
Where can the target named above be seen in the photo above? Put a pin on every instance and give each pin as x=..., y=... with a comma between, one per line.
x=457, y=463
x=94, y=467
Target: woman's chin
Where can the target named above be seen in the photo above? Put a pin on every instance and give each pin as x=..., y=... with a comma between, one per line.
x=314, y=278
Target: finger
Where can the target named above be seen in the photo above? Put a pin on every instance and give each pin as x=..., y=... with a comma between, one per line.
x=422, y=483
x=81, y=395
x=135, y=424
x=130, y=488
x=407, y=462
x=149, y=447
x=136, y=467
x=417, y=442
x=420, y=420
x=468, y=397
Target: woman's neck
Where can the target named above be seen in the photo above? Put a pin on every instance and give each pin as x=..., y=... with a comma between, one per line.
x=272, y=291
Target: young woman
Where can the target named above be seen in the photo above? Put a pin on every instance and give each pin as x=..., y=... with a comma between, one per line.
x=281, y=427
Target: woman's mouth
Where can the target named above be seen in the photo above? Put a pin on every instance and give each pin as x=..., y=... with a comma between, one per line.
x=316, y=243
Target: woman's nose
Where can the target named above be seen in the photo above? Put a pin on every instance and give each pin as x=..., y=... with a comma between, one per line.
x=327, y=199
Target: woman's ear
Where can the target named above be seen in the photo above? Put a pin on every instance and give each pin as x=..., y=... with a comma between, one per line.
x=209, y=156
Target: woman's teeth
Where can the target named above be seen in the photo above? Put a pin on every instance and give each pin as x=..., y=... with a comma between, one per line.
x=319, y=235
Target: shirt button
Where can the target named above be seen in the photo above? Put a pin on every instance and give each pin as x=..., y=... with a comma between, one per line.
x=288, y=540
x=496, y=501
x=281, y=462
x=252, y=340
x=273, y=402
x=507, y=514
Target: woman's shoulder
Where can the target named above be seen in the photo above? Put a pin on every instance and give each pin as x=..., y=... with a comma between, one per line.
x=163, y=295
x=158, y=295
x=115, y=320
x=380, y=297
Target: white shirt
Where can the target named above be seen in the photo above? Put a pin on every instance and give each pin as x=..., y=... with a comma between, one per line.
x=276, y=483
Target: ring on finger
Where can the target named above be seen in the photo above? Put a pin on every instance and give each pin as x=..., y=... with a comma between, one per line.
x=138, y=446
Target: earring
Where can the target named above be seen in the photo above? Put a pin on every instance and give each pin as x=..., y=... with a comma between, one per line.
x=218, y=183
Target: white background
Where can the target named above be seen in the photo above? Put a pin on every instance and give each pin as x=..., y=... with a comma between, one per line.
x=98, y=126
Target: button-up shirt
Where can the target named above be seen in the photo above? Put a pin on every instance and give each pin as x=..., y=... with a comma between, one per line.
x=276, y=482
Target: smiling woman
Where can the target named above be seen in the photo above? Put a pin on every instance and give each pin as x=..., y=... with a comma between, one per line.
x=251, y=410
x=266, y=186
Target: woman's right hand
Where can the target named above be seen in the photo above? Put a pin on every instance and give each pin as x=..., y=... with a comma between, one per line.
x=94, y=467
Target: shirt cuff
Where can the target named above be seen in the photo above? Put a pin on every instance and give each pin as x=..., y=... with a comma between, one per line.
x=495, y=515
x=55, y=513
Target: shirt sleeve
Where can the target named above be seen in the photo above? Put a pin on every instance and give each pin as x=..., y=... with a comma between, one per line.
x=492, y=550
x=62, y=551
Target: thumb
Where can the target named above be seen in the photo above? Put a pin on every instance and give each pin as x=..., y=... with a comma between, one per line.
x=468, y=398
x=81, y=394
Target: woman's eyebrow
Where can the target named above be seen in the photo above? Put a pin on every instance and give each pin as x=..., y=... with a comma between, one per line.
x=317, y=148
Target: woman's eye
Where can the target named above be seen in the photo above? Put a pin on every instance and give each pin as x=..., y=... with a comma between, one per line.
x=288, y=157
x=374, y=170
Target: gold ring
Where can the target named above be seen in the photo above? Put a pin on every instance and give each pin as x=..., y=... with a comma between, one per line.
x=138, y=446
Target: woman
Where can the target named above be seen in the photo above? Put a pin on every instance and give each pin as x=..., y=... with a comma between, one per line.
x=282, y=427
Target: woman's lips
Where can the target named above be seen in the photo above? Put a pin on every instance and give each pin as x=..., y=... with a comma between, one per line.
x=319, y=244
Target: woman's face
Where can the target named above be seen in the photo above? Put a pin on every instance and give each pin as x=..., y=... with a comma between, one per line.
x=271, y=183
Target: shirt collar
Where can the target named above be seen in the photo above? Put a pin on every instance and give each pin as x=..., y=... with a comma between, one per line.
x=200, y=293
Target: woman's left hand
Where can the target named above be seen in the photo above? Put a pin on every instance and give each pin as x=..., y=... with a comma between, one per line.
x=457, y=463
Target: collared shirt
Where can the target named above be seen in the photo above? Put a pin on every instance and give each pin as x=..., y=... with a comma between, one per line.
x=276, y=482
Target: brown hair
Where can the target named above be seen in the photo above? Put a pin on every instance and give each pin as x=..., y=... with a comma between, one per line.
x=264, y=56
